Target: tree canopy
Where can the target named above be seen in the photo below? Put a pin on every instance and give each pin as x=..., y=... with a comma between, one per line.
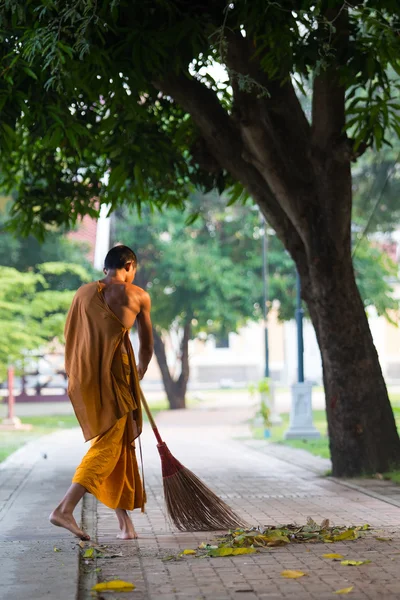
x=86, y=94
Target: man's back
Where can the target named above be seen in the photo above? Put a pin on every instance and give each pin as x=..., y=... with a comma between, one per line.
x=125, y=300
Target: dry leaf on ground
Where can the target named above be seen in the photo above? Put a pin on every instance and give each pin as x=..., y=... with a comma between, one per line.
x=354, y=563
x=116, y=585
x=189, y=551
x=55, y=549
x=345, y=590
x=333, y=556
x=289, y=574
x=350, y=534
x=231, y=551
x=89, y=553
x=383, y=539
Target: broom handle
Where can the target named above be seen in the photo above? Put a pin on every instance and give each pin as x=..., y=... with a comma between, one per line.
x=150, y=417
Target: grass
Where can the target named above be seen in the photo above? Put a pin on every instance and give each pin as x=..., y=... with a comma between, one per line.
x=10, y=441
x=320, y=447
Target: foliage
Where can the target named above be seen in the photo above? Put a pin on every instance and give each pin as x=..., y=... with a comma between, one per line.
x=216, y=261
x=189, y=272
x=31, y=314
x=130, y=143
x=376, y=183
x=24, y=253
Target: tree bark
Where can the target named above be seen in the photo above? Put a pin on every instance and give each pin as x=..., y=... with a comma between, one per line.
x=362, y=431
x=175, y=389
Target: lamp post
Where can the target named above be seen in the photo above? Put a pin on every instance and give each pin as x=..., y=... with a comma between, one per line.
x=265, y=293
x=301, y=418
x=299, y=323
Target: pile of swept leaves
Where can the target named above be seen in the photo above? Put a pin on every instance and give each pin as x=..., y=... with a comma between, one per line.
x=248, y=541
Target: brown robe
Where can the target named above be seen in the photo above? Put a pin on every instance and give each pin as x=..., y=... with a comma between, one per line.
x=98, y=387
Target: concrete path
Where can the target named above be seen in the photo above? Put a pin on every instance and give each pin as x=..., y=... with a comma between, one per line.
x=37, y=560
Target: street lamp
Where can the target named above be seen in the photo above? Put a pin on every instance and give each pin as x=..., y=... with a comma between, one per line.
x=301, y=418
x=299, y=322
x=265, y=292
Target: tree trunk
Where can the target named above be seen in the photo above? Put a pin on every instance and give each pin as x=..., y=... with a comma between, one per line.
x=362, y=431
x=175, y=389
x=298, y=171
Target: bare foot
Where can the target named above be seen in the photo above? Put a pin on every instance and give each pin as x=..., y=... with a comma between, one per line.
x=67, y=521
x=127, y=535
x=127, y=529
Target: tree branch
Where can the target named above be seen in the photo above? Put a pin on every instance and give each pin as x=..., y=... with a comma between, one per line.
x=224, y=141
x=328, y=108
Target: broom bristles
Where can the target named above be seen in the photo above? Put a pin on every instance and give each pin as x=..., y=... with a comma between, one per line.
x=191, y=505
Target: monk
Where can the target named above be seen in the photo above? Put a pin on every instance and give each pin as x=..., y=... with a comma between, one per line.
x=103, y=386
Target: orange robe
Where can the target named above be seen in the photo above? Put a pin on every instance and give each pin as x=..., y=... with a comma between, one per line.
x=103, y=386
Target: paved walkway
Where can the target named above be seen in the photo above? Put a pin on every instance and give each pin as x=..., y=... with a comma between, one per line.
x=265, y=490
x=264, y=486
x=30, y=486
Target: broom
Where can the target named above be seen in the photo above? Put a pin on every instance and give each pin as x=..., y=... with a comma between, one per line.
x=191, y=505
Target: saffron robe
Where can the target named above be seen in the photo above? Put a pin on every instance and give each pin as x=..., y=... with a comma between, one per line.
x=103, y=387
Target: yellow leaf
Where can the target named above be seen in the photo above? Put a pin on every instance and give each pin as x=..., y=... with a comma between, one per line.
x=345, y=590
x=364, y=527
x=349, y=534
x=289, y=574
x=354, y=563
x=237, y=551
x=333, y=556
x=188, y=551
x=221, y=552
x=117, y=584
x=88, y=553
x=56, y=549
x=383, y=539
x=231, y=551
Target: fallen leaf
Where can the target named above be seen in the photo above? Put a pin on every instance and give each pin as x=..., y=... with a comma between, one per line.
x=383, y=539
x=333, y=556
x=350, y=534
x=354, y=563
x=345, y=590
x=311, y=523
x=170, y=557
x=231, y=551
x=56, y=549
x=188, y=551
x=325, y=524
x=81, y=544
x=289, y=574
x=89, y=553
x=237, y=551
x=364, y=527
x=117, y=585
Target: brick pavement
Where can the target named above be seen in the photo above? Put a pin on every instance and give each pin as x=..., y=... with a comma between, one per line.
x=265, y=490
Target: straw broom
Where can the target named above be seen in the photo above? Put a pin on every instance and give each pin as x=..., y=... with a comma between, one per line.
x=191, y=505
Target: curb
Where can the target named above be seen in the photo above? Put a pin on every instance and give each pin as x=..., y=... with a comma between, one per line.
x=366, y=492
x=87, y=577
